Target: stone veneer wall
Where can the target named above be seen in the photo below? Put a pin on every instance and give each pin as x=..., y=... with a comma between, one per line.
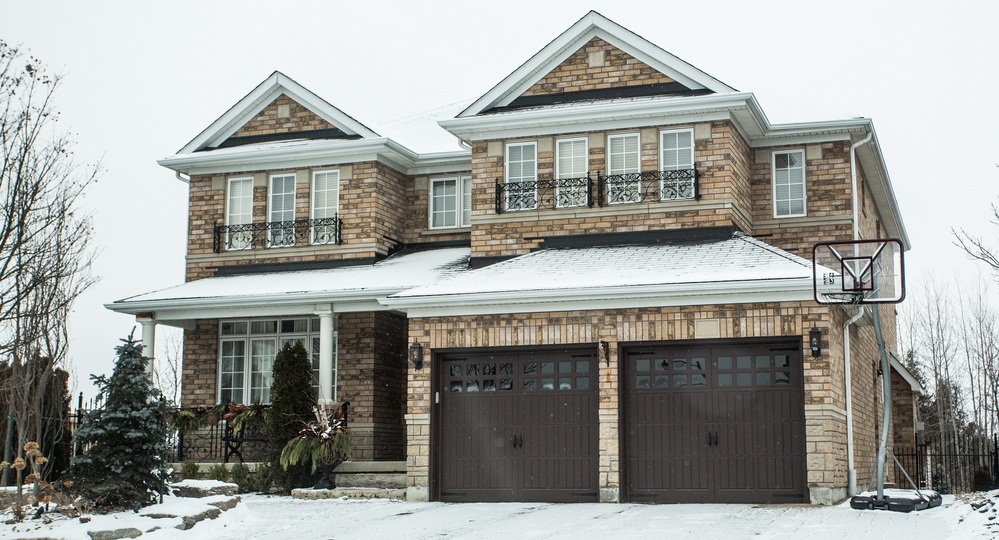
x=824, y=389
x=266, y=122
x=199, y=378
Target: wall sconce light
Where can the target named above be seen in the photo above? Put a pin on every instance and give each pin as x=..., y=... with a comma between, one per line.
x=815, y=341
x=416, y=355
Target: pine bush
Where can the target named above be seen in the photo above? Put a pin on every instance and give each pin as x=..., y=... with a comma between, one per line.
x=125, y=464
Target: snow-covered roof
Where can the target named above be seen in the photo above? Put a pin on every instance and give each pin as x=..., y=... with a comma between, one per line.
x=349, y=288
x=741, y=268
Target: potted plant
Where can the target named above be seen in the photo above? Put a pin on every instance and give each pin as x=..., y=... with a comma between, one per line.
x=324, y=442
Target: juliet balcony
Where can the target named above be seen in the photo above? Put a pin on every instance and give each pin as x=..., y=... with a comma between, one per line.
x=278, y=234
x=587, y=191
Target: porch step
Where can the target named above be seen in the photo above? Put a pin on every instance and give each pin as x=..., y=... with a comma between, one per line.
x=370, y=480
x=389, y=475
x=349, y=493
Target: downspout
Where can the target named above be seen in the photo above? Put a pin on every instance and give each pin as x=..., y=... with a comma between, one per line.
x=848, y=386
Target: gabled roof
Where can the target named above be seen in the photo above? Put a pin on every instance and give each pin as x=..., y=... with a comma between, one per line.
x=260, y=97
x=590, y=26
x=738, y=269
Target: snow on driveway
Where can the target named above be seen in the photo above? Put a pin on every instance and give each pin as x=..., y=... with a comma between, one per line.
x=281, y=517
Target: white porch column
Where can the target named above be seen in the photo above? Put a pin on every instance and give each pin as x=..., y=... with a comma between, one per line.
x=326, y=327
x=148, y=338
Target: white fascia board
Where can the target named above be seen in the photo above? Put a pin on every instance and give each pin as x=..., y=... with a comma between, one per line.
x=174, y=308
x=261, y=96
x=785, y=290
x=599, y=115
x=907, y=375
x=568, y=42
x=442, y=162
x=284, y=154
x=872, y=160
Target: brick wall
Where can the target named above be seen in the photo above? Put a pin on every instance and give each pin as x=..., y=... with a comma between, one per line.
x=267, y=122
x=199, y=377
x=371, y=362
x=721, y=157
x=823, y=375
x=617, y=69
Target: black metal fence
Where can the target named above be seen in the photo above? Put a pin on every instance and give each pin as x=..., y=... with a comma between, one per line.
x=215, y=442
x=930, y=467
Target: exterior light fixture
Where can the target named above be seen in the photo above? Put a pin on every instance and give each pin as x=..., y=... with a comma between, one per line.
x=416, y=355
x=815, y=341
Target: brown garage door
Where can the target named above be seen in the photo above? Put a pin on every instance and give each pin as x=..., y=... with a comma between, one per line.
x=722, y=423
x=517, y=426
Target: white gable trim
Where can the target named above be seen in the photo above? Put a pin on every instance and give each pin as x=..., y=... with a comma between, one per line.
x=906, y=374
x=592, y=25
x=259, y=98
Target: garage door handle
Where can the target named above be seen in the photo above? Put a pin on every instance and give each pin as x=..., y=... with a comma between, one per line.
x=518, y=441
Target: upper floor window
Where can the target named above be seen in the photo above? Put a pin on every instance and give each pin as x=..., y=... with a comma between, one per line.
x=789, y=183
x=624, y=183
x=522, y=168
x=282, y=210
x=571, y=163
x=450, y=202
x=239, y=211
x=325, y=205
x=676, y=160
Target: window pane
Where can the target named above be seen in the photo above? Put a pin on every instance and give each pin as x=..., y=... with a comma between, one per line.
x=444, y=203
x=466, y=199
x=261, y=370
x=789, y=184
x=282, y=209
x=521, y=166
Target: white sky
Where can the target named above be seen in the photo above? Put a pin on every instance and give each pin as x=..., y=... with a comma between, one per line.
x=142, y=79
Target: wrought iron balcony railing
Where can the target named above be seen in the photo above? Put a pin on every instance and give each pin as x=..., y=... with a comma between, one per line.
x=647, y=186
x=615, y=189
x=557, y=193
x=273, y=234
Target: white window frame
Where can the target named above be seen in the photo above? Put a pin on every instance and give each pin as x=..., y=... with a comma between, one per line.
x=804, y=183
x=533, y=178
x=244, y=237
x=324, y=231
x=287, y=235
x=678, y=167
x=243, y=384
x=560, y=174
x=309, y=339
x=462, y=202
x=636, y=186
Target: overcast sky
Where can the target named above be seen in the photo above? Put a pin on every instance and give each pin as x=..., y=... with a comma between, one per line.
x=143, y=78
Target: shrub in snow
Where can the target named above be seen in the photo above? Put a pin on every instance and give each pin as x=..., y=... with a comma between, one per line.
x=322, y=441
x=125, y=461
x=291, y=406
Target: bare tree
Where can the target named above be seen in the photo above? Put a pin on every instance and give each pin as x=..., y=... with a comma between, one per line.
x=45, y=243
x=976, y=247
x=167, y=377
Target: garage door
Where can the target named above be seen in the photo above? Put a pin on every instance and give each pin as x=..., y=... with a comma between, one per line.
x=720, y=423
x=517, y=426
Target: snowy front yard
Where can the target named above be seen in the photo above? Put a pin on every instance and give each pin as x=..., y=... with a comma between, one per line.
x=259, y=516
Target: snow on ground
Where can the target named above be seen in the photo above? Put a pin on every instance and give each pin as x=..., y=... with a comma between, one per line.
x=273, y=517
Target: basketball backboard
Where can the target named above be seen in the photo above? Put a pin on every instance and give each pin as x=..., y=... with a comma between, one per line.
x=858, y=272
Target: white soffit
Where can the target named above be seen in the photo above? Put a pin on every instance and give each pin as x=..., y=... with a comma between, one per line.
x=593, y=25
x=262, y=96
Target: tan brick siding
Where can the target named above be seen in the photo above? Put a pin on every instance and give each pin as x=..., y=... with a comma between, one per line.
x=824, y=388
x=199, y=377
x=575, y=74
x=266, y=122
x=721, y=160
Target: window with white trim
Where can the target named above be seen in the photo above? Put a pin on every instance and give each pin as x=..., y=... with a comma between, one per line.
x=247, y=351
x=325, y=205
x=624, y=167
x=450, y=202
x=239, y=211
x=676, y=153
x=789, y=183
x=522, y=168
x=571, y=164
x=282, y=209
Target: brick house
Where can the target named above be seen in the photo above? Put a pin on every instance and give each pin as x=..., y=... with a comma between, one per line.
x=606, y=295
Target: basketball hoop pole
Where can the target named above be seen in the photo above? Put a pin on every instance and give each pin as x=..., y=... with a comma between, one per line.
x=886, y=406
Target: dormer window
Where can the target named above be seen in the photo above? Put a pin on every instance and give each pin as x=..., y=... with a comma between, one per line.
x=450, y=202
x=789, y=183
